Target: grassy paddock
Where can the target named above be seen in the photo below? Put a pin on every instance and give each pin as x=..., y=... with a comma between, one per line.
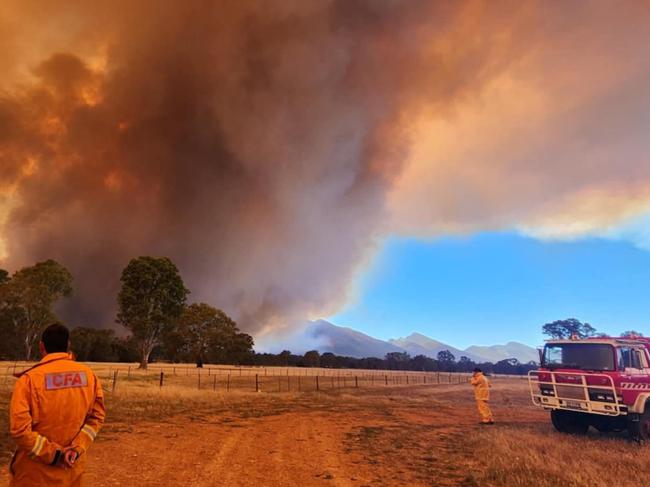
x=513, y=456
x=252, y=379
x=136, y=395
x=418, y=435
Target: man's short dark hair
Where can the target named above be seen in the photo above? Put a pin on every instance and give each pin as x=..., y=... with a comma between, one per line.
x=476, y=369
x=55, y=338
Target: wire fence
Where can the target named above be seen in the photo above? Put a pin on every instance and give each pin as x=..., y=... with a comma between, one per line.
x=258, y=379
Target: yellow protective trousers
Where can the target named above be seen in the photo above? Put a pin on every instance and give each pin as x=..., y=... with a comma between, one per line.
x=484, y=411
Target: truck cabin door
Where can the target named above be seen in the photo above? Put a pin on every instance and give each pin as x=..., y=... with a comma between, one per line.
x=635, y=371
x=632, y=361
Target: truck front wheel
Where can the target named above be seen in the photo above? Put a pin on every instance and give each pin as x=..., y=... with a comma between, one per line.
x=639, y=425
x=569, y=422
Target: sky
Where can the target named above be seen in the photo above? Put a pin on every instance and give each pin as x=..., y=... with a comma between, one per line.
x=297, y=162
x=495, y=287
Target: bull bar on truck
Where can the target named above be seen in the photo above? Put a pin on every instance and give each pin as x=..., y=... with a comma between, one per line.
x=575, y=396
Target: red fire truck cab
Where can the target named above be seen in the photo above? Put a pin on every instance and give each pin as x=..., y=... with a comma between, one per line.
x=599, y=382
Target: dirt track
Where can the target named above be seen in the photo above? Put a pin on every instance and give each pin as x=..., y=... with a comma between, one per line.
x=414, y=436
x=290, y=449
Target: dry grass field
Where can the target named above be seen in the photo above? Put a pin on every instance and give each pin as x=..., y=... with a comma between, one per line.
x=341, y=435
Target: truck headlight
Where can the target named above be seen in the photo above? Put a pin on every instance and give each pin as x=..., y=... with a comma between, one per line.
x=601, y=396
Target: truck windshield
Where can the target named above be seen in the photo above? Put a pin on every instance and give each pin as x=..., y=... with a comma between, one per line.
x=586, y=356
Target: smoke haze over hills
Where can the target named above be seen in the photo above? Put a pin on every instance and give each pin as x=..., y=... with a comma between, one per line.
x=323, y=336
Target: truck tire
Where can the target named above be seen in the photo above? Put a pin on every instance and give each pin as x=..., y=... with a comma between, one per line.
x=606, y=424
x=639, y=426
x=569, y=422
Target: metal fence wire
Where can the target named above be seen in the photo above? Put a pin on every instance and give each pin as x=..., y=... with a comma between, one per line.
x=258, y=379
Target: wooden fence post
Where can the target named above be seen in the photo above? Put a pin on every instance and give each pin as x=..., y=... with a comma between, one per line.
x=257, y=382
x=162, y=378
x=199, y=379
x=114, y=381
x=317, y=385
x=129, y=373
x=356, y=382
x=228, y=383
x=386, y=377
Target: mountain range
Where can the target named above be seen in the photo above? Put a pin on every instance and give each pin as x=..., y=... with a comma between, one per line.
x=340, y=340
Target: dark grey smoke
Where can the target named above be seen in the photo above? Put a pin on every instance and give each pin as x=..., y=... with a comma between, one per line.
x=251, y=142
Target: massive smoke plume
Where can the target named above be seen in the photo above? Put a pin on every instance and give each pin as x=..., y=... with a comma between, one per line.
x=259, y=144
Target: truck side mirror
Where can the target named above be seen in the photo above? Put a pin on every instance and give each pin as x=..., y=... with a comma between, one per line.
x=540, y=352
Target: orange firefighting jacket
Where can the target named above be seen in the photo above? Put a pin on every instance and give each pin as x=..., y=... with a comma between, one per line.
x=481, y=387
x=55, y=404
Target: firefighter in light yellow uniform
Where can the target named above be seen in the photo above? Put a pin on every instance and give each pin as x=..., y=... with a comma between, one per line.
x=57, y=409
x=482, y=395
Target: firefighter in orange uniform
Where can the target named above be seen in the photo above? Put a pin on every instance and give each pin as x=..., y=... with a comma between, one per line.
x=57, y=409
x=482, y=395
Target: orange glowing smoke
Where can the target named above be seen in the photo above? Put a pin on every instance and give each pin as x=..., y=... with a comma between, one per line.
x=267, y=150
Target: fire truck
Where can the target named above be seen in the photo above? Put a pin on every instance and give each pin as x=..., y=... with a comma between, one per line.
x=598, y=382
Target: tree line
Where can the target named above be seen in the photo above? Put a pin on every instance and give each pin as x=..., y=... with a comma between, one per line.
x=101, y=345
x=572, y=327
x=445, y=362
x=152, y=307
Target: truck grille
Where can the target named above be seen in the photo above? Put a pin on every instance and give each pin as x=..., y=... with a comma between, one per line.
x=579, y=392
x=570, y=392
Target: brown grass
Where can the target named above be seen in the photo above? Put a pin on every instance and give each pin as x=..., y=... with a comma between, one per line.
x=513, y=456
x=6, y=446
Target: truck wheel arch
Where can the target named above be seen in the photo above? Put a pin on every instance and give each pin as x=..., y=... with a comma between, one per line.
x=640, y=403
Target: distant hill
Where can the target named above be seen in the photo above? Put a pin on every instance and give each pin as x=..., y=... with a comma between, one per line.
x=327, y=337
x=521, y=352
x=347, y=342
x=418, y=344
